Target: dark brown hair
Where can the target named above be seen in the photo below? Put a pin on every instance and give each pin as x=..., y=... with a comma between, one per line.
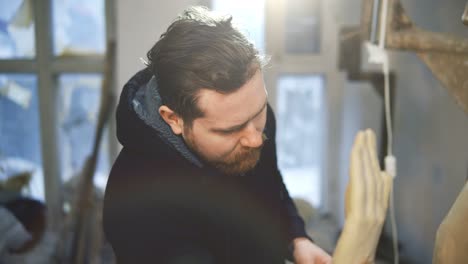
x=201, y=50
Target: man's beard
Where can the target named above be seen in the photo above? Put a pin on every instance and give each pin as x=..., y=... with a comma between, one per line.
x=237, y=162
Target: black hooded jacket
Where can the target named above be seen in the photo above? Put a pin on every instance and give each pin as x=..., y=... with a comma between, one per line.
x=160, y=204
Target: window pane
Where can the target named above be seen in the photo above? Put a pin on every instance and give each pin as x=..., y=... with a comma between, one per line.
x=16, y=29
x=249, y=15
x=79, y=26
x=20, y=141
x=300, y=134
x=302, y=26
x=78, y=112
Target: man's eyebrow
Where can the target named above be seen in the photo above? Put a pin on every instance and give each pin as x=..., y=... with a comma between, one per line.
x=240, y=126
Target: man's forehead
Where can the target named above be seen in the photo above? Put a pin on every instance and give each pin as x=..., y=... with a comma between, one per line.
x=236, y=107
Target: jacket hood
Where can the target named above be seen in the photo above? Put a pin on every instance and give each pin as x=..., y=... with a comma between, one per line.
x=139, y=125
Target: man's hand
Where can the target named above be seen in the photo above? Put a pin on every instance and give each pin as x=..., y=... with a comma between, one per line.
x=366, y=202
x=306, y=252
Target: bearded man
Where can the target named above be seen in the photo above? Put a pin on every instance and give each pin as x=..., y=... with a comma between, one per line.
x=197, y=180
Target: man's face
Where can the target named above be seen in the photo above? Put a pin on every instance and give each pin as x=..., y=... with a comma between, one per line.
x=229, y=135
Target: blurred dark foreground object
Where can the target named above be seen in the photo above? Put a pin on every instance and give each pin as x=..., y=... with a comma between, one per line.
x=32, y=215
x=33, y=244
x=13, y=234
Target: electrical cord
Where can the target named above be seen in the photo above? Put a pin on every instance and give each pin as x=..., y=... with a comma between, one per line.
x=378, y=55
x=390, y=160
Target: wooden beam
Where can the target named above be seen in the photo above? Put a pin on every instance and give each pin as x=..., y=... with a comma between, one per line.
x=444, y=54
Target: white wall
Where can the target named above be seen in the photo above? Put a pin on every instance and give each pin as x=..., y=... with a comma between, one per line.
x=139, y=25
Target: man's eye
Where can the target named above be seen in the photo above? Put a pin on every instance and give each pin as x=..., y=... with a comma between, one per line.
x=228, y=132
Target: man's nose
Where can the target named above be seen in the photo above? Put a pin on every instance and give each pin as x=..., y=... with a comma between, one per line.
x=252, y=137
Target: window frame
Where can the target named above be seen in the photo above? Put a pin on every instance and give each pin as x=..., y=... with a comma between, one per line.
x=47, y=67
x=323, y=63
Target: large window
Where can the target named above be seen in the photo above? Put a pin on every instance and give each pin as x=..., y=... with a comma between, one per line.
x=51, y=66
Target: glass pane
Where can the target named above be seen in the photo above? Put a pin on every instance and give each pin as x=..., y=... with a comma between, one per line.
x=302, y=26
x=79, y=27
x=249, y=15
x=300, y=134
x=16, y=29
x=20, y=140
x=78, y=112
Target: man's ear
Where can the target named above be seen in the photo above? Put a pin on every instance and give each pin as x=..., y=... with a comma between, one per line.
x=172, y=119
